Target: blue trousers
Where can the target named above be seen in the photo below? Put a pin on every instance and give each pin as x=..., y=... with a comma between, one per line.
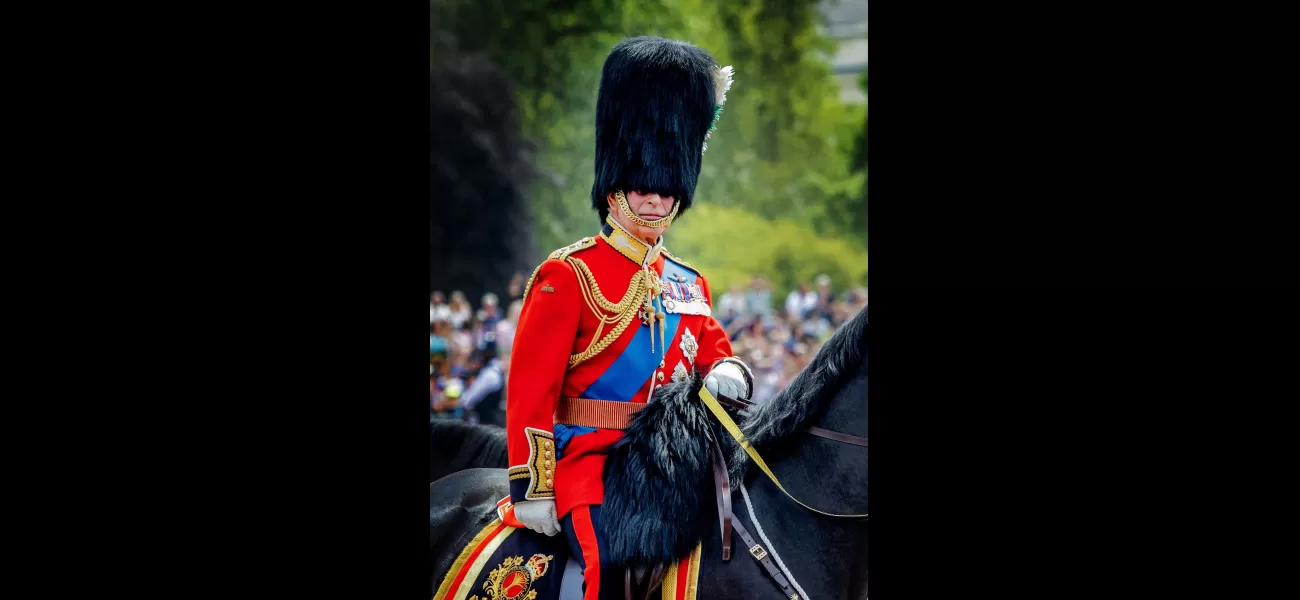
x=582, y=528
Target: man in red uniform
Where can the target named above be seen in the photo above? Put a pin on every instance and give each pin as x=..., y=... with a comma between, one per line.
x=611, y=317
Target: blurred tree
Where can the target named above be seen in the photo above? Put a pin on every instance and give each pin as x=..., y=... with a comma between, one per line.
x=479, y=234
x=718, y=243
x=785, y=149
x=845, y=211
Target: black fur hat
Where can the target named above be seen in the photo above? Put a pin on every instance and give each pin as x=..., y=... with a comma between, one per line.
x=656, y=104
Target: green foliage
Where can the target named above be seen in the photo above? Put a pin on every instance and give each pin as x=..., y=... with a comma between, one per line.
x=784, y=147
x=730, y=246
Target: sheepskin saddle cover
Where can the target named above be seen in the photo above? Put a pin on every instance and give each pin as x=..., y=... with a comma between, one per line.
x=659, y=488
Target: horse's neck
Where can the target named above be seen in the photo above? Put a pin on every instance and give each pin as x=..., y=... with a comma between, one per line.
x=826, y=556
x=832, y=472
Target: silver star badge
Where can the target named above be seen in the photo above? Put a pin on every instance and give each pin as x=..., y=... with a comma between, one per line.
x=688, y=345
x=680, y=373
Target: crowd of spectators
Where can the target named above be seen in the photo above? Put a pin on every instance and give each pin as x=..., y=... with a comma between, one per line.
x=777, y=345
x=470, y=350
x=469, y=354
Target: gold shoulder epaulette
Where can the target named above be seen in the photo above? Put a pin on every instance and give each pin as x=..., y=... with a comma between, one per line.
x=581, y=244
x=560, y=254
x=681, y=262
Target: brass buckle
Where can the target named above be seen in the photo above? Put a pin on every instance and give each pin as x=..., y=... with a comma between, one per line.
x=758, y=552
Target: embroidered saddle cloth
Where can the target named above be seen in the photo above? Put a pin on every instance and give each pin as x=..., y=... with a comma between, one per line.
x=508, y=562
x=659, y=482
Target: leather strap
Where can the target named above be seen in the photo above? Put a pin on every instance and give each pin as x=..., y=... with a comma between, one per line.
x=741, y=404
x=837, y=436
x=656, y=578
x=651, y=584
x=734, y=431
x=760, y=554
x=600, y=414
x=735, y=403
x=722, y=487
x=727, y=521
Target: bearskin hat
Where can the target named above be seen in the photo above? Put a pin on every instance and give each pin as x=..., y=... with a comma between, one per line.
x=656, y=104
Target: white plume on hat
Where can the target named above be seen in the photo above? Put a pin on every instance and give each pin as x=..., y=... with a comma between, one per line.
x=722, y=83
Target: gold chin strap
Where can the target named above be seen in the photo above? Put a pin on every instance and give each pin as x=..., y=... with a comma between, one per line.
x=627, y=212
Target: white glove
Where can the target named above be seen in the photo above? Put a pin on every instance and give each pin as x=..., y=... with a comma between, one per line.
x=727, y=380
x=538, y=515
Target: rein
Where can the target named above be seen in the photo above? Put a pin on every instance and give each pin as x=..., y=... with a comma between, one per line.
x=722, y=486
x=837, y=436
x=727, y=423
x=737, y=404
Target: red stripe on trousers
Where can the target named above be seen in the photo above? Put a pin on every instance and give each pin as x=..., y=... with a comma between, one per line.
x=586, y=534
x=683, y=577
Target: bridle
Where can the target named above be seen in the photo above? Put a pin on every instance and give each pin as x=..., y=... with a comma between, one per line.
x=722, y=485
x=720, y=413
x=746, y=405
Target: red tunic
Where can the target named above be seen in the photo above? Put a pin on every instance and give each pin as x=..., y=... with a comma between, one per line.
x=557, y=322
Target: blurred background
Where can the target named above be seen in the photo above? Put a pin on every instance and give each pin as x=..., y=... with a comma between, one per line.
x=779, y=222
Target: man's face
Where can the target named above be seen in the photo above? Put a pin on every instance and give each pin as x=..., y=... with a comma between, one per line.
x=650, y=207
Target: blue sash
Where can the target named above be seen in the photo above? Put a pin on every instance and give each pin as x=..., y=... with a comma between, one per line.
x=636, y=365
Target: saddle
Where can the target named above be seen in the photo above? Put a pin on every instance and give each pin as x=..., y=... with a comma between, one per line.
x=657, y=480
x=506, y=561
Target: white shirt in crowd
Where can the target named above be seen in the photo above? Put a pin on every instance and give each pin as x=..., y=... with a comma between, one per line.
x=439, y=312
x=459, y=317
x=732, y=302
x=798, y=304
x=461, y=341
x=505, y=337
x=809, y=301
x=489, y=380
x=792, y=302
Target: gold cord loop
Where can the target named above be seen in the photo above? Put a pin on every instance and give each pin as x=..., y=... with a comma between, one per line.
x=638, y=300
x=624, y=311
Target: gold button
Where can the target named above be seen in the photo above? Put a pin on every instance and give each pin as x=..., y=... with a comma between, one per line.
x=548, y=454
x=661, y=364
x=550, y=483
x=549, y=464
x=549, y=474
x=661, y=376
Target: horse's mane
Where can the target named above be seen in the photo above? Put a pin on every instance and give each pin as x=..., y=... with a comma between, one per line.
x=790, y=409
x=467, y=446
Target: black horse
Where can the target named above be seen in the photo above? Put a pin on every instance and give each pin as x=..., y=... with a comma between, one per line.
x=457, y=445
x=824, y=556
